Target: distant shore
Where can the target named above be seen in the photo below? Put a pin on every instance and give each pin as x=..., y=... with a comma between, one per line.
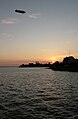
x=36, y=64
x=68, y=64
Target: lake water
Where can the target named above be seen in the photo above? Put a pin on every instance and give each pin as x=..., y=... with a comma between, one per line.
x=38, y=93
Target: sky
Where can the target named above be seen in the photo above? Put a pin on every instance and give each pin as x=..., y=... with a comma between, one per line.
x=47, y=32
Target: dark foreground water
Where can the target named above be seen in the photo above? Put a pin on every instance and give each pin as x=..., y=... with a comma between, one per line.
x=38, y=93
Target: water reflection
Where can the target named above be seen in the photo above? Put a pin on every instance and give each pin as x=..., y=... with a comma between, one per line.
x=38, y=93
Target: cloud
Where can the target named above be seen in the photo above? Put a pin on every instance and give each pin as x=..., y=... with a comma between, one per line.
x=8, y=21
x=34, y=16
x=6, y=36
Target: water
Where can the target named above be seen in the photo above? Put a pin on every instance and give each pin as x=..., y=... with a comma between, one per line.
x=38, y=93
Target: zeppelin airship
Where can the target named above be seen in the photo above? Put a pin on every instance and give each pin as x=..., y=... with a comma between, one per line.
x=20, y=11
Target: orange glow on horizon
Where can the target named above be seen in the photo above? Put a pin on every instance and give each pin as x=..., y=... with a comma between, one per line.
x=57, y=58
x=53, y=59
x=18, y=61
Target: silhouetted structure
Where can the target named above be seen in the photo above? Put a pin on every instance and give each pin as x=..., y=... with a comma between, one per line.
x=36, y=64
x=68, y=64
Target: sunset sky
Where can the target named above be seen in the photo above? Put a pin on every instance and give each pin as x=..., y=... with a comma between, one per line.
x=47, y=32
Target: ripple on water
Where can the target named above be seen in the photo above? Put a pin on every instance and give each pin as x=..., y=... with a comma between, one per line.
x=38, y=94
